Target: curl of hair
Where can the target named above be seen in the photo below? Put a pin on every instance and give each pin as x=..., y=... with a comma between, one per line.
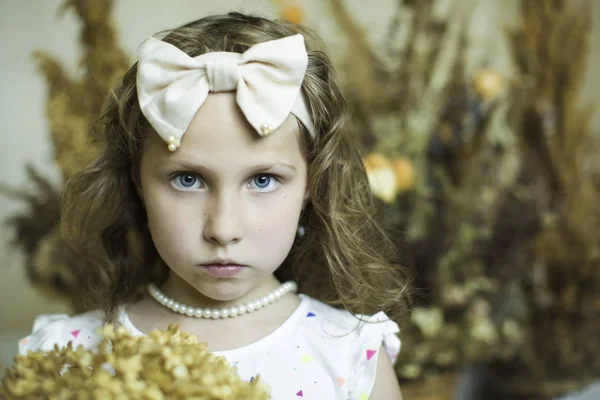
x=345, y=259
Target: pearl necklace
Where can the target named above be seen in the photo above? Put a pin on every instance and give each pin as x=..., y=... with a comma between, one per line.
x=242, y=309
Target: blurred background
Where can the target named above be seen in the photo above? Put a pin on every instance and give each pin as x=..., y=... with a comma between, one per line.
x=481, y=143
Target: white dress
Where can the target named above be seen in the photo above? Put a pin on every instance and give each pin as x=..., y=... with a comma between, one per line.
x=319, y=352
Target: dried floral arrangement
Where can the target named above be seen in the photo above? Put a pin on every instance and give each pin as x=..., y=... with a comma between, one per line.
x=488, y=185
x=554, y=203
x=162, y=365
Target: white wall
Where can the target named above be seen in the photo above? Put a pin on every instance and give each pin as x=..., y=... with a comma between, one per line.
x=29, y=25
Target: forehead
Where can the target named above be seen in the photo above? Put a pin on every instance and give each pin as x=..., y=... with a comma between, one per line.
x=220, y=132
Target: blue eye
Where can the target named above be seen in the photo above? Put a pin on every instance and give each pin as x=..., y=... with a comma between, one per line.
x=264, y=182
x=186, y=180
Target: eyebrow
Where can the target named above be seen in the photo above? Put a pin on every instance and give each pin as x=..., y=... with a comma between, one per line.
x=192, y=166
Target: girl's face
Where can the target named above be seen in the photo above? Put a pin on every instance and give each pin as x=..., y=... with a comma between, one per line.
x=226, y=195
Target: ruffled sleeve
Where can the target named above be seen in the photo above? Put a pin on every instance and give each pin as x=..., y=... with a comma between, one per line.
x=59, y=329
x=378, y=330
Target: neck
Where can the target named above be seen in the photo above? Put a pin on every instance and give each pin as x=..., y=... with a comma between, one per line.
x=184, y=293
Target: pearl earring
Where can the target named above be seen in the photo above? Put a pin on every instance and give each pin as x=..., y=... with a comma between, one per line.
x=300, y=231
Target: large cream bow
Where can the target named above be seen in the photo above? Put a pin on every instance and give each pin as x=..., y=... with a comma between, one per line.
x=268, y=77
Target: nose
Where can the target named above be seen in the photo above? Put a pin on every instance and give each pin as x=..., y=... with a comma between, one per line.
x=222, y=222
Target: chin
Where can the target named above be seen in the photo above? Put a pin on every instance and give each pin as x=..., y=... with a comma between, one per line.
x=222, y=290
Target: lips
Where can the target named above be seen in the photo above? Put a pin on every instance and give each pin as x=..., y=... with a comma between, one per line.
x=222, y=261
x=223, y=270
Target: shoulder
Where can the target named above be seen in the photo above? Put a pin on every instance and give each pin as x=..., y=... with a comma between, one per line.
x=359, y=330
x=60, y=329
x=368, y=344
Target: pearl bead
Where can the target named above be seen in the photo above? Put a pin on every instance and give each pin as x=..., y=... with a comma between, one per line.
x=170, y=303
x=242, y=309
x=233, y=311
x=206, y=313
x=183, y=309
x=172, y=147
x=176, y=307
x=190, y=311
x=198, y=312
x=224, y=312
x=271, y=298
x=215, y=314
x=251, y=307
x=266, y=129
x=264, y=301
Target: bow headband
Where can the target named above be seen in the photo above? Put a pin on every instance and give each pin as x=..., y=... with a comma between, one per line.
x=268, y=77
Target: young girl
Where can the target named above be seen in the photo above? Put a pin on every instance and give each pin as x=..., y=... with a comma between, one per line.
x=229, y=182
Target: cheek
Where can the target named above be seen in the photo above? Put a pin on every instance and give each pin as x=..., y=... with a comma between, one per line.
x=277, y=222
x=273, y=241
x=171, y=227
